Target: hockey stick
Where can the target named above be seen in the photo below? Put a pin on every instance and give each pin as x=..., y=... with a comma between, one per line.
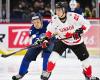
x=52, y=13
x=32, y=46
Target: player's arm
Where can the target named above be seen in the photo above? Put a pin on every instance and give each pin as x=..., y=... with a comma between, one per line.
x=33, y=35
x=83, y=27
x=85, y=24
x=51, y=30
x=32, y=32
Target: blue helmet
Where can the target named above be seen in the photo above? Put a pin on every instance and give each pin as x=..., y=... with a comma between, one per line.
x=36, y=16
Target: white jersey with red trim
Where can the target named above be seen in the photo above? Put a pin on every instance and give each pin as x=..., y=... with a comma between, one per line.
x=74, y=21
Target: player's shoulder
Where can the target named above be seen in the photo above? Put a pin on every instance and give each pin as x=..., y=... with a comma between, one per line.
x=73, y=15
x=55, y=17
x=53, y=20
x=45, y=21
x=32, y=27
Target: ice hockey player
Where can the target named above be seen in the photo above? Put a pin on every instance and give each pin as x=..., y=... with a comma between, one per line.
x=37, y=30
x=74, y=6
x=70, y=26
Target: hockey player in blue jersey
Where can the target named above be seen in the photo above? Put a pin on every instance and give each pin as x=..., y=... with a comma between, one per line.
x=74, y=6
x=37, y=30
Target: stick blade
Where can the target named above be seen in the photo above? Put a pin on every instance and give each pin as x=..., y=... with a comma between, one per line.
x=4, y=56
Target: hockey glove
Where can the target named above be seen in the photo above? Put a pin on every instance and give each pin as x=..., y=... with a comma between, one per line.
x=78, y=33
x=48, y=35
x=44, y=44
x=38, y=41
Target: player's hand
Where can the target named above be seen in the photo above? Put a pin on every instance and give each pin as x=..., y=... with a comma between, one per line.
x=80, y=30
x=78, y=33
x=44, y=44
x=38, y=41
x=68, y=35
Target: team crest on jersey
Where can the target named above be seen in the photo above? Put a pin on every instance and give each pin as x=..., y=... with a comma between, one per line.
x=76, y=17
x=66, y=28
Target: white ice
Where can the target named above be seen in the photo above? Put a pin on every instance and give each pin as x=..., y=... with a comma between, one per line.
x=66, y=69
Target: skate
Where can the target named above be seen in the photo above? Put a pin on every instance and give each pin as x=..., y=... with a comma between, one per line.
x=91, y=78
x=94, y=78
x=17, y=77
x=45, y=75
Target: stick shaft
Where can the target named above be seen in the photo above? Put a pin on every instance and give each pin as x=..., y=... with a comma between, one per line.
x=32, y=46
x=7, y=55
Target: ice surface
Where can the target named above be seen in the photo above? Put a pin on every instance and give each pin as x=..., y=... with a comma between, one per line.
x=66, y=69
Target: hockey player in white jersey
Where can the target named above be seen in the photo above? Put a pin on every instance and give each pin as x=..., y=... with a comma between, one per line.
x=70, y=27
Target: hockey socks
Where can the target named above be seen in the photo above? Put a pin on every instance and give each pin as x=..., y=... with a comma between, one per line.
x=52, y=61
x=88, y=72
x=50, y=66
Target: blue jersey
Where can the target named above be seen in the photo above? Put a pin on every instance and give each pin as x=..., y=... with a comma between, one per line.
x=38, y=32
x=77, y=10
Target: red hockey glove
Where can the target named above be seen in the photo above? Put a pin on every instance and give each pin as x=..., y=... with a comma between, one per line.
x=83, y=27
x=45, y=44
x=68, y=35
x=48, y=34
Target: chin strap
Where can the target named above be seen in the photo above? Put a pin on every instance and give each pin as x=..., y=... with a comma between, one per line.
x=63, y=17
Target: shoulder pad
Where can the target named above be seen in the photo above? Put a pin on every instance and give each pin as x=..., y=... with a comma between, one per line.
x=54, y=17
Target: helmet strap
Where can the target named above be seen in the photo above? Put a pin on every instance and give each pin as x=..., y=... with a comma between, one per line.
x=63, y=19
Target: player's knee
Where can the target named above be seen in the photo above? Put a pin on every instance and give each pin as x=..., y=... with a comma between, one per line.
x=46, y=54
x=85, y=63
x=25, y=59
x=29, y=58
x=54, y=56
x=84, y=57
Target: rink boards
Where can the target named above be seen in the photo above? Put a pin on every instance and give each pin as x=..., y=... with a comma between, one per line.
x=17, y=37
